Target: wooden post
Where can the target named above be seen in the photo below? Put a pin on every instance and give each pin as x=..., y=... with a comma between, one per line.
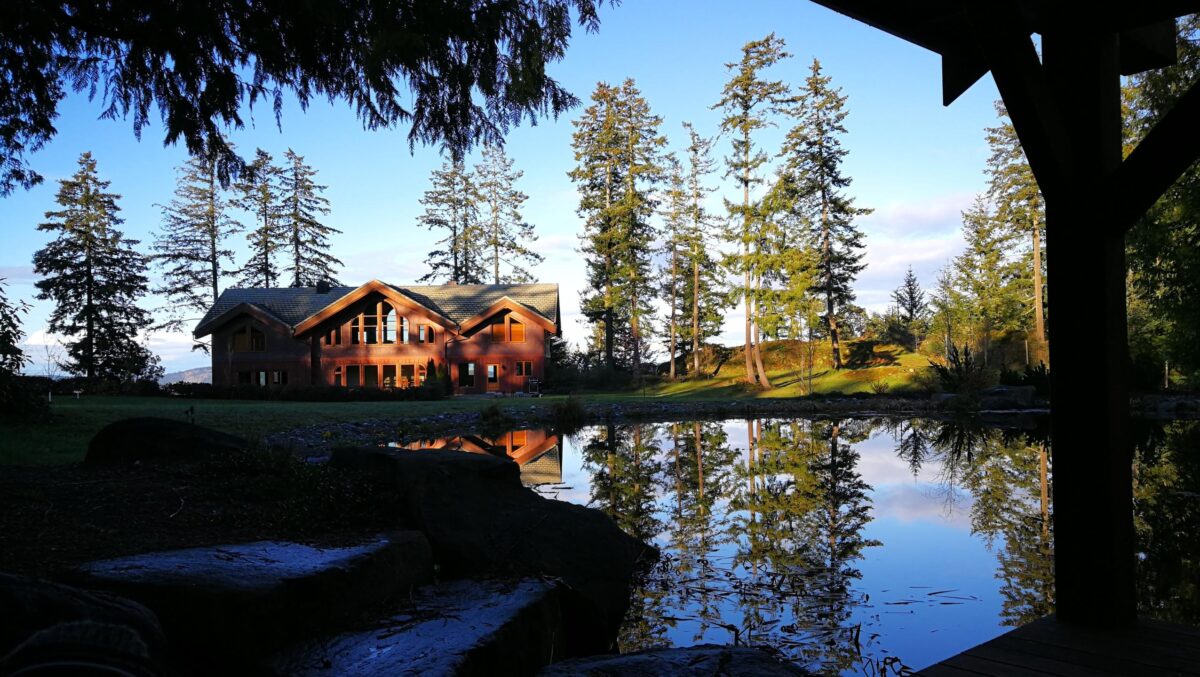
x=1093, y=496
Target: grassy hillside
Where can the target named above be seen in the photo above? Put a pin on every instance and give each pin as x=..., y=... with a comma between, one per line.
x=870, y=368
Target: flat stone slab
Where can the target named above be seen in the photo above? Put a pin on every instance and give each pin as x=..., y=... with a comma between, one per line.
x=233, y=602
x=703, y=659
x=466, y=627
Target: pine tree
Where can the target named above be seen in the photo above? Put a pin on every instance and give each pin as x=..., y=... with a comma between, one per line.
x=814, y=155
x=506, y=234
x=259, y=193
x=452, y=205
x=95, y=278
x=190, y=248
x=701, y=314
x=913, y=308
x=618, y=149
x=309, y=260
x=1019, y=204
x=747, y=101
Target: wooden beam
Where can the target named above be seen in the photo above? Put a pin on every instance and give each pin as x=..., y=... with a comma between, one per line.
x=1019, y=76
x=1148, y=47
x=1168, y=150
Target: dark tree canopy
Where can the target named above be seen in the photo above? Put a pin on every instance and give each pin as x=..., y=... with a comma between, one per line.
x=457, y=72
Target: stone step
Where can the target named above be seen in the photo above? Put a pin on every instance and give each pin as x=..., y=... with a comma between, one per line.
x=465, y=627
x=235, y=603
x=701, y=660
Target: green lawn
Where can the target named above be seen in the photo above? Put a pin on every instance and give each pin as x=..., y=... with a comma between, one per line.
x=65, y=438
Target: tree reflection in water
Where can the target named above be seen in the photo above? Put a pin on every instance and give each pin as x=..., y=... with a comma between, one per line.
x=762, y=538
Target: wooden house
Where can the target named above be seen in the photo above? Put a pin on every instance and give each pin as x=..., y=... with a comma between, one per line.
x=491, y=338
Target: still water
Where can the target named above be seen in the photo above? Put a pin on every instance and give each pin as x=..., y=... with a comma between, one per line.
x=854, y=546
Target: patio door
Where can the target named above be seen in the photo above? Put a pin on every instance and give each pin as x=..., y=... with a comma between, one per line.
x=493, y=377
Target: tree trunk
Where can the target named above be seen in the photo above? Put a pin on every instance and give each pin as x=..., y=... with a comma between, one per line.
x=749, y=346
x=699, y=461
x=637, y=339
x=695, y=314
x=834, y=339
x=763, y=381
x=674, y=297
x=1039, y=311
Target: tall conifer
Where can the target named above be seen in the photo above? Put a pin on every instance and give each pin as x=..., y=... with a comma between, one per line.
x=506, y=234
x=190, y=247
x=747, y=102
x=259, y=193
x=452, y=206
x=702, y=311
x=95, y=278
x=309, y=260
x=814, y=153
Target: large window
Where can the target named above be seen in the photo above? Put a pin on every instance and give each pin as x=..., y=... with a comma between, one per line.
x=424, y=333
x=389, y=376
x=512, y=331
x=356, y=330
x=493, y=373
x=387, y=325
x=407, y=375
x=248, y=340
x=524, y=369
x=516, y=332
x=466, y=375
x=370, y=328
x=352, y=376
x=370, y=376
x=498, y=332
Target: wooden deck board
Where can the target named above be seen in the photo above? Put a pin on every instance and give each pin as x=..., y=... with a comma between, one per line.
x=1047, y=647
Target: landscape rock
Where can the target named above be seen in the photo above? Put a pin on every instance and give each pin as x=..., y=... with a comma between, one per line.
x=82, y=648
x=465, y=627
x=228, y=603
x=481, y=520
x=697, y=661
x=133, y=440
x=29, y=606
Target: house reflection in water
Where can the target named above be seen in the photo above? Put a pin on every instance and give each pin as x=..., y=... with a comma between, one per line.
x=536, y=451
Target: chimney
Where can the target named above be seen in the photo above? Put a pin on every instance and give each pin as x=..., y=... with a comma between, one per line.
x=323, y=287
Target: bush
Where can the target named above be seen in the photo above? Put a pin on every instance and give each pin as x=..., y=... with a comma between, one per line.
x=569, y=415
x=23, y=399
x=431, y=390
x=962, y=373
x=493, y=422
x=1038, y=377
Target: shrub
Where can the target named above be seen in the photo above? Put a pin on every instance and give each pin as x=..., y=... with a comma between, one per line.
x=493, y=421
x=962, y=373
x=569, y=415
x=22, y=399
x=1038, y=377
x=298, y=393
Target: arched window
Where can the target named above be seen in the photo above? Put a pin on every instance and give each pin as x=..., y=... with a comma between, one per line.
x=248, y=340
x=387, y=325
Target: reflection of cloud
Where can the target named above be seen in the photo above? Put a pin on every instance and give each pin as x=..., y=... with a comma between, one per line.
x=921, y=502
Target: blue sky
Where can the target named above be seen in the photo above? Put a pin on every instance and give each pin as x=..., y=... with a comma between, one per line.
x=915, y=162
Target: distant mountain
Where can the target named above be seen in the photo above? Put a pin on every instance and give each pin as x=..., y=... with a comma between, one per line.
x=197, y=375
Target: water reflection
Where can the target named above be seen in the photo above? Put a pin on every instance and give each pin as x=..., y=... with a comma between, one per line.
x=537, y=452
x=861, y=546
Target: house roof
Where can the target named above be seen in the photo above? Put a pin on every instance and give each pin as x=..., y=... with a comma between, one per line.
x=459, y=303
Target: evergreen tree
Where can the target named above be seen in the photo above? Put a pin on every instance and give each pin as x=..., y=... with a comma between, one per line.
x=12, y=358
x=1019, y=204
x=505, y=233
x=814, y=155
x=190, y=248
x=259, y=193
x=452, y=205
x=309, y=260
x=702, y=311
x=675, y=220
x=95, y=278
x=912, y=306
x=989, y=276
x=618, y=151
x=747, y=102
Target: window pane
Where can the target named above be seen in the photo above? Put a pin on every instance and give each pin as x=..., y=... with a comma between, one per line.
x=389, y=377
x=518, y=331
x=406, y=375
x=466, y=374
x=404, y=330
x=493, y=373
x=498, y=331
x=337, y=376
x=352, y=376
x=370, y=324
x=240, y=342
x=355, y=331
x=243, y=378
x=421, y=333
x=370, y=376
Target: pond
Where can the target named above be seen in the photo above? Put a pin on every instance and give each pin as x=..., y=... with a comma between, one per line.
x=853, y=546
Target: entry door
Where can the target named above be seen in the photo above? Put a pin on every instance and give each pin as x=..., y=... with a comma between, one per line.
x=493, y=377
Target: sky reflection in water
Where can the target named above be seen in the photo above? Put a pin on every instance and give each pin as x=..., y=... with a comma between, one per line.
x=853, y=546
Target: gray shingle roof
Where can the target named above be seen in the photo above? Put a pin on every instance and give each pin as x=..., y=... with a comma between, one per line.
x=459, y=303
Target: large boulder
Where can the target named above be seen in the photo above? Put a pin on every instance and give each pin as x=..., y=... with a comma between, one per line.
x=703, y=660
x=1007, y=397
x=481, y=520
x=133, y=440
x=232, y=603
x=466, y=627
x=29, y=606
